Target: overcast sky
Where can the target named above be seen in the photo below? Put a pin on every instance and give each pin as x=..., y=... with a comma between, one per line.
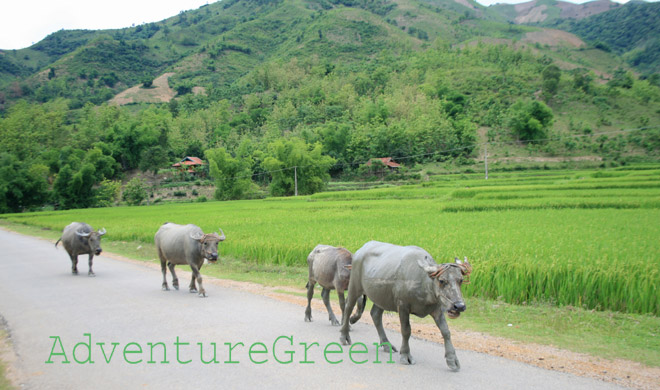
x=25, y=22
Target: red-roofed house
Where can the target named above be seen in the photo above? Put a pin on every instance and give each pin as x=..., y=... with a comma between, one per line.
x=189, y=164
x=387, y=161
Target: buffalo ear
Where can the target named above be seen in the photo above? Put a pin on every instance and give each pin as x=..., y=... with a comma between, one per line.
x=197, y=236
x=428, y=268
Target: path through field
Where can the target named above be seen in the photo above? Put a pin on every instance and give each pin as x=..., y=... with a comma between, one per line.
x=54, y=316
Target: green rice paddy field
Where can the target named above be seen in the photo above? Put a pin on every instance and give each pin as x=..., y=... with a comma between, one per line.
x=588, y=239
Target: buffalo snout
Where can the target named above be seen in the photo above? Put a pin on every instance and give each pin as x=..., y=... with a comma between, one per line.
x=212, y=257
x=97, y=252
x=459, y=307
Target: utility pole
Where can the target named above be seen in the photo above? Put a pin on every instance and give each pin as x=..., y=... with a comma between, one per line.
x=295, y=178
x=486, y=159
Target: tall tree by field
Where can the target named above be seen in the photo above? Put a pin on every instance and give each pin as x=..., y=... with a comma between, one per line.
x=21, y=186
x=311, y=167
x=232, y=175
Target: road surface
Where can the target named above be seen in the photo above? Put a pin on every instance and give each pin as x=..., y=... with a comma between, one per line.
x=118, y=330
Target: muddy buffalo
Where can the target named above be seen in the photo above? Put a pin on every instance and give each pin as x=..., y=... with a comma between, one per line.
x=78, y=238
x=406, y=280
x=179, y=244
x=330, y=267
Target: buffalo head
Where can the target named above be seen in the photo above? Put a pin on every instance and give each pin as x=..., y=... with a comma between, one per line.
x=93, y=240
x=447, y=281
x=209, y=244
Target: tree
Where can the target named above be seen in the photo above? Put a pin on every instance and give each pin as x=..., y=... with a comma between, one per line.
x=135, y=192
x=153, y=159
x=530, y=119
x=21, y=186
x=232, y=175
x=582, y=80
x=107, y=193
x=61, y=188
x=311, y=167
x=147, y=82
x=551, y=75
x=622, y=79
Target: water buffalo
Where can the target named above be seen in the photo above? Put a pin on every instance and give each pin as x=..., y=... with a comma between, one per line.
x=178, y=244
x=330, y=267
x=406, y=280
x=78, y=238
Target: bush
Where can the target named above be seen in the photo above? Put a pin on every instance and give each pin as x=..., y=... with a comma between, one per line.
x=530, y=119
x=135, y=192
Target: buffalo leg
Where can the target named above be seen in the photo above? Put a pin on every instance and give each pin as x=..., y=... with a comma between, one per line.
x=90, y=272
x=450, y=352
x=345, y=337
x=342, y=303
x=175, y=279
x=361, y=303
x=377, y=317
x=325, y=294
x=310, y=295
x=197, y=276
x=74, y=264
x=404, y=317
x=163, y=268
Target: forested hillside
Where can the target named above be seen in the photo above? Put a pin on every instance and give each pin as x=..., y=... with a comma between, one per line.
x=263, y=86
x=632, y=31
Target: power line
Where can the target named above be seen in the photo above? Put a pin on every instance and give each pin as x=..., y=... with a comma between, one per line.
x=444, y=151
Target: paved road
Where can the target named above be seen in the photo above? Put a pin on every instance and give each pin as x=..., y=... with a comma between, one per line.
x=49, y=312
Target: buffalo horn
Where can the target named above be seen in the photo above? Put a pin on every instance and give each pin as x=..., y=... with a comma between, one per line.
x=82, y=234
x=222, y=237
x=102, y=231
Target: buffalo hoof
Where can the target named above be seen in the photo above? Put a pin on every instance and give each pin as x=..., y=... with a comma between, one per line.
x=193, y=291
x=308, y=319
x=334, y=322
x=345, y=339
x=91, y=274
x=388, y=347
x=454, y=365
x=74, y=272
x=165, y=288
x=176, y=288
x=202, y=294
x=406, y=359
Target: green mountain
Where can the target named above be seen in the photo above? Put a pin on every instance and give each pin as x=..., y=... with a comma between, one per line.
x=221, y=42
x=548, y=12
x=630, y=30
x=273, y=84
